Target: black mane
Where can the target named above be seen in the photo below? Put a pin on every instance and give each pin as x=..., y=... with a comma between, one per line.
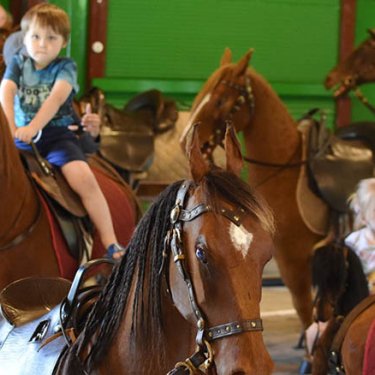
x=339, y=278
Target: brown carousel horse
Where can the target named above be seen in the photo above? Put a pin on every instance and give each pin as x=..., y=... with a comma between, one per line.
x=237, y=93
x=342, y=301
x=358, y=68
x=27, y=237
x=184, y=287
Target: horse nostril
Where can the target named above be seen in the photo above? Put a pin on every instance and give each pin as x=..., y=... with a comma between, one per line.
x=238, y=373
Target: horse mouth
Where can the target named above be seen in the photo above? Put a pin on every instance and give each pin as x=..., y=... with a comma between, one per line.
x=340, y=90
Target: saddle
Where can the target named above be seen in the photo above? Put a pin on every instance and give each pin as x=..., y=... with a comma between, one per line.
x=63, y=202
x=39, y=317
x=127, y=137
x=335, y=163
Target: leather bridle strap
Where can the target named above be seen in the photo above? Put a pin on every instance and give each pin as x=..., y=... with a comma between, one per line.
x=359, y=94
x=234, y=328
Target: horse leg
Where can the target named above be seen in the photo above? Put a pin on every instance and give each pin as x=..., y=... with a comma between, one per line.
x=298, y=281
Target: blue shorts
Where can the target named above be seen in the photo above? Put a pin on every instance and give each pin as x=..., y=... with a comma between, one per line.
x=58, y=145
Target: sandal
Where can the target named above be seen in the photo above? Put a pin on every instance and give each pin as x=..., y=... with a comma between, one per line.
x=115, y=251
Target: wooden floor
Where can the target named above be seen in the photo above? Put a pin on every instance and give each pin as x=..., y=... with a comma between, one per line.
x=281, y=329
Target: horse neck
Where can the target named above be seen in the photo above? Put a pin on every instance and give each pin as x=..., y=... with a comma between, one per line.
x=127, y=357
x=271, y=134
x=18, y=202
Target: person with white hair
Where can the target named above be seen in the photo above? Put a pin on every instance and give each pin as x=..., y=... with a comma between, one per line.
x=362, y=240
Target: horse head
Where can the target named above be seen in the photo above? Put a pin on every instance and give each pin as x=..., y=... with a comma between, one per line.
x=219, y=257
x=356, y=69
x=225, y=97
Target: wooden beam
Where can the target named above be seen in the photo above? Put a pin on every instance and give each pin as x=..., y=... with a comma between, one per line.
x=98, y=12
x=347, y=37
x=19, y=7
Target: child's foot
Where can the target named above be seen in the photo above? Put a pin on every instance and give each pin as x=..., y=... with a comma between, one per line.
x=115, y=251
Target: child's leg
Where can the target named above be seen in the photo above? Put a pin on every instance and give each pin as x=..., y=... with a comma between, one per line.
x=83, y=182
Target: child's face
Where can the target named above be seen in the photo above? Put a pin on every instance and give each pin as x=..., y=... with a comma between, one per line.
x=43, y=44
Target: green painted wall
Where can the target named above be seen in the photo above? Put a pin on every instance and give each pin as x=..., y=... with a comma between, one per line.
x=364, y=20
x=77, y=48
x=175, y=45
x=5, y=3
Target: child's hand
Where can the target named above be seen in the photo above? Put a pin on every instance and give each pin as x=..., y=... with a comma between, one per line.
x=25, y=133
x=91, y=122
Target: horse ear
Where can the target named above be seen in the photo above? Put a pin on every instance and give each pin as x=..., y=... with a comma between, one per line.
x=233, y=151
x=371, y=32
x=227, y=57
x=244, y=63
x=198, y=165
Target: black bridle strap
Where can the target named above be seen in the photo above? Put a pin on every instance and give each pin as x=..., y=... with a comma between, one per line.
x=234, y=328
x=192, y=364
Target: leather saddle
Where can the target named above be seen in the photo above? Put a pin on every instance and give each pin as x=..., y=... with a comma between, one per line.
x=127, y=137
x=39, y=317
x=63, y=202
x=336, y=163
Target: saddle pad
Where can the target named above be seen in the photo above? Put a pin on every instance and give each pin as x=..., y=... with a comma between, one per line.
x=121, y=208
x=170, y=163
x=314, y=212
x=369, y=357
x=20, y=356
x=66, y=263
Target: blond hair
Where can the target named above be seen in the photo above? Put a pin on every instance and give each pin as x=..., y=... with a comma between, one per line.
x=47, y=15
x=362, y=202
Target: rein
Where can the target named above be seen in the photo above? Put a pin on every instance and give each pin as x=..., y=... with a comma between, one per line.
x=363, y=99
x=204, y=355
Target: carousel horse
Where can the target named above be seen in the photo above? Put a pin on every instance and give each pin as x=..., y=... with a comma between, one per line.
x=277, y=160
x=127, y=137
x=343, y=312
x=357, y=69
x=31, y=239
x=185, y=289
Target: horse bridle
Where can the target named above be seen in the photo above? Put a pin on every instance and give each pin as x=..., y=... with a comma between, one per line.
x=245, y=95
x=216, y=139
x=203, y=357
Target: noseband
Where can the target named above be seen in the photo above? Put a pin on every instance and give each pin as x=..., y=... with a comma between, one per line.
x=203, y=357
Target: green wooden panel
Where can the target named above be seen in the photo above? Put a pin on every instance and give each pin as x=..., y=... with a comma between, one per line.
x=175, y=45
x=5, y=3
x=77, y=47
x=364, y=20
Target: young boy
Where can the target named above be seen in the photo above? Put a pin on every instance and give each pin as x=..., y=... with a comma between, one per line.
x=36, y=94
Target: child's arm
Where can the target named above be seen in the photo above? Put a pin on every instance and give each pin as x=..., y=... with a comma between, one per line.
x=59, y=94
x=8, y=90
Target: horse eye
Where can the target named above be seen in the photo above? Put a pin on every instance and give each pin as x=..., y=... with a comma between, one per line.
x=220, y=102
x=201, y=255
